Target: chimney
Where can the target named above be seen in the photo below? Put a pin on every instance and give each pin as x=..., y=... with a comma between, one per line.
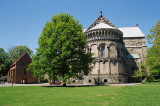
x=136, y=25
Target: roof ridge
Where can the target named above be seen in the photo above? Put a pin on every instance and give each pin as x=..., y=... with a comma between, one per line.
x=129, y=27
x=101, y=19
x=19, y=58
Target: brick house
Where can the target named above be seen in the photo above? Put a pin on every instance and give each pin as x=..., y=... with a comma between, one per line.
x=18, y=71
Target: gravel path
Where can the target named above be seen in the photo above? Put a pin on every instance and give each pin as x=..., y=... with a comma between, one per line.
x=47, y=84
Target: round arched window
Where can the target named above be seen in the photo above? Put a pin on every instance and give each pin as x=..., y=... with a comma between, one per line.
x=102, y=50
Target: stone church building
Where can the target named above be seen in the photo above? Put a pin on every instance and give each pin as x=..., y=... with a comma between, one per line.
x=117, y=51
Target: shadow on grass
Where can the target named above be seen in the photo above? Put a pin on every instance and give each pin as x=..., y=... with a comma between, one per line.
x=72, y=86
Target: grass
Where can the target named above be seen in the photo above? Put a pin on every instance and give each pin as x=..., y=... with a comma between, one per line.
x=139, y=95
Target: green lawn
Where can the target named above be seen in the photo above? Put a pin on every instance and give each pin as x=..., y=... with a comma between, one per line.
x=94, y=95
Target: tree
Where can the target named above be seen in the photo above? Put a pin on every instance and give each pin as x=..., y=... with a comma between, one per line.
x=153, y=58
x=5, y=62
x=16, y=52
x=154, y=36
x=142, y=73
x=61, y=51
x=153, y=61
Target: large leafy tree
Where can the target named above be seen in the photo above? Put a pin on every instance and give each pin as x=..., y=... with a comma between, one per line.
x=4, y=62
x=61, y=51
x=17, y=51
x=153, y=59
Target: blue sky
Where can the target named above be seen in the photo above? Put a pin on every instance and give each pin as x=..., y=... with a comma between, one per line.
x=21, y=21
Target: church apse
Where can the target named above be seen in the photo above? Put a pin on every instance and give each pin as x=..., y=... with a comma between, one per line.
x=105, y=41
x=117, y=52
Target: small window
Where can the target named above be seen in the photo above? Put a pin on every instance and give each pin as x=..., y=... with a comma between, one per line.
x=103, y=51
x=89, y=80
x=73, y=81
x=105, y=80
x=25, y=71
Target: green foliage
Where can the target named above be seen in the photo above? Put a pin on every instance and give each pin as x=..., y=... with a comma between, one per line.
x=154, y=36
x=153, y=61
x=4, y=62
x=137, y=74
x=150, y=78
x=153, y=58
x=141, y=73
x=61, y=51
x=18, y=51
x=3, y=55
x=45, y=78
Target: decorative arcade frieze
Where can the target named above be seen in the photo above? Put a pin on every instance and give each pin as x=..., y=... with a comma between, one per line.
x=104, y=35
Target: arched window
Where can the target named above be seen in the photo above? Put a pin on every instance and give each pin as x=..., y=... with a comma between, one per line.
x=102, y=51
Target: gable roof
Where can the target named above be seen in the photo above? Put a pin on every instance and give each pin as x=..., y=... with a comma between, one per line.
x=131, y=32
x=101, y=22
x=25, y=54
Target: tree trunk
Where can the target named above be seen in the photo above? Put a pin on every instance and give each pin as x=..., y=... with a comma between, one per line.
x=64, y=84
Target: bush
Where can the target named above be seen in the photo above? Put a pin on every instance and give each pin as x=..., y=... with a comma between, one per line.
x=157, y=80
x=150, y=79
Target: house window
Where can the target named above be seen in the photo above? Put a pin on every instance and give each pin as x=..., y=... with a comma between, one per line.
x=103, y=51
x=25, y=71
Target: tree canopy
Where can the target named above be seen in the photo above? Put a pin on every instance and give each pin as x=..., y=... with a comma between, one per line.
x=154, y=36
x=17, y=51
x=4, y=62
x=61, y=51
x=153, y=58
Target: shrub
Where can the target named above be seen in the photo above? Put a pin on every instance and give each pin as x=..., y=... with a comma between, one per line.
x=150, y=79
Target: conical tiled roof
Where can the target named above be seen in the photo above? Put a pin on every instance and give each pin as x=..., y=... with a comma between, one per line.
x=101, y=22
